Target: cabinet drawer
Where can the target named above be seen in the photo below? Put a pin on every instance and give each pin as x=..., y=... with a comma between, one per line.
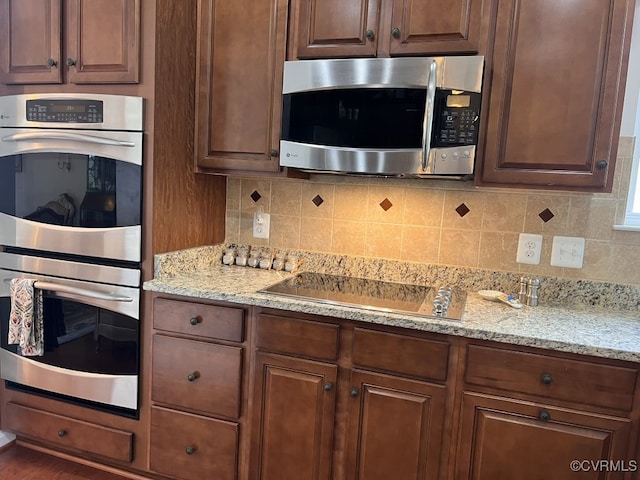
x=192, y=447
x=208, y=321
x=405, y=355
x=298, y=337
x=551, y=377
x=67, y=432
x=197, y=375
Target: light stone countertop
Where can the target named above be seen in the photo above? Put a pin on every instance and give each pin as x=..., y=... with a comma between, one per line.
x=588, y=331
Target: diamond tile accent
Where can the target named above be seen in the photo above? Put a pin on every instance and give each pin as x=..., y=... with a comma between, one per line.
x=546, y=215
x=462, y=210
x=255, y=196
x=317, y=200
x=386, y=204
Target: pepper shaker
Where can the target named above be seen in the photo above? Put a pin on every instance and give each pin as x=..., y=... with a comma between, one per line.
x=533, y=284
x=522, y=294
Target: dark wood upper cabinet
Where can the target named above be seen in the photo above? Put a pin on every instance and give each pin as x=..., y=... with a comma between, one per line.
x=240, y=58
x=30, y=41
x=368, y=28
x=99, y=43
x=94, y=25
x=554, y=106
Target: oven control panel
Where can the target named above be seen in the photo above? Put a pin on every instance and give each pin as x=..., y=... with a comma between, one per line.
x=65, y=111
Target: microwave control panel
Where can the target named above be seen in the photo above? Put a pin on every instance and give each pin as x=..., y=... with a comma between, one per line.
x=65, y=111
x=456, y=118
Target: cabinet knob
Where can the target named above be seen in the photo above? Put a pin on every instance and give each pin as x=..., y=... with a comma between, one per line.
x=190, y=450
x=273, y=153
x=395, y=32
x=370, y=34
x=192, y=377
x=547, y=379
x=354, y=392
x=70, y=62
x=194, y=321
x=544, y=416
x=62, y=433
x=51, y=62
x=602, y=164
x=328, y=387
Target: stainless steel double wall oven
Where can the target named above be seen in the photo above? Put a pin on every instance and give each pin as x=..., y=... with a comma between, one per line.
x=70, y=219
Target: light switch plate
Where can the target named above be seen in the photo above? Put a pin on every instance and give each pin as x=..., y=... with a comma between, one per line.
x=529, y=248
x=567, y=252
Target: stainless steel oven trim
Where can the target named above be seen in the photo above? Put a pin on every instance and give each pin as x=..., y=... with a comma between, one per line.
x=90, y=272
x=99, y=299
x=457, y=162
x=116, y=390
x=120, y=112
x=124, y=146
x=461, y=73
x=119, y=243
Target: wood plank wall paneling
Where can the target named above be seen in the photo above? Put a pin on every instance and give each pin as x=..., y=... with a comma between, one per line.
x=188, y=209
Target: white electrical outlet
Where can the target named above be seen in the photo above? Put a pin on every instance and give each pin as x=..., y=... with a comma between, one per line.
x=567, y=252
x=529, y=248
x=261, y=223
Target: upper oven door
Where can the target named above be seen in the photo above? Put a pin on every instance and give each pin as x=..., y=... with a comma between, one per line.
x=71, y=191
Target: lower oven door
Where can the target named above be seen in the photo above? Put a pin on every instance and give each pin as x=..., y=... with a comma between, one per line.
x=91, y=338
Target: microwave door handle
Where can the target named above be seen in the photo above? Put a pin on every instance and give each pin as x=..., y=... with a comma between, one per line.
x=81, y=292
x=428, y=116
x=76, y=137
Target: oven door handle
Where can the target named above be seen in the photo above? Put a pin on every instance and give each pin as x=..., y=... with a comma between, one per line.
x=57, y=288
x=75, y=137
x=80, y=292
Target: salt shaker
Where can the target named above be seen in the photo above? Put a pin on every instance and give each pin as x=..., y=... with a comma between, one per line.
x=533, y=284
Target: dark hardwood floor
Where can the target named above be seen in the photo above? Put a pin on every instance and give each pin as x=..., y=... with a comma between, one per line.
x=22, y=463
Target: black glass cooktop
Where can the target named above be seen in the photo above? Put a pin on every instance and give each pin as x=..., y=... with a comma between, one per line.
x=426, y=301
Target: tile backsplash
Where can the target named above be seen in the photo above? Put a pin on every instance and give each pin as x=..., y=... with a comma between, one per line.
x=439, y=222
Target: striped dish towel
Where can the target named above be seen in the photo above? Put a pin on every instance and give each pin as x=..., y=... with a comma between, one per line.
x=26, y=321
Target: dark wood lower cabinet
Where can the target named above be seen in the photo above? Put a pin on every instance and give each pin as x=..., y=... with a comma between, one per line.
x=507, y=439
x=395, y=428
x=293, y=418
x=192, y=447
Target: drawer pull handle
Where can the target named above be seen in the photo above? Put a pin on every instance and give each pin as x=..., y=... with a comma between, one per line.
x=194, y=321
x=328, y=387
x=544, y=416
x=547, y=379
x=370, y=34
x=354, y=392
x=192, y=377
x=395, y=32
x=62, y=433
x=190, y=450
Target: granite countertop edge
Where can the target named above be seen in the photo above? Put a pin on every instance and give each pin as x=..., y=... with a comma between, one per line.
x=607, y=334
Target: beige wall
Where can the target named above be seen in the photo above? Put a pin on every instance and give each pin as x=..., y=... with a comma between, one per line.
x=422, y=224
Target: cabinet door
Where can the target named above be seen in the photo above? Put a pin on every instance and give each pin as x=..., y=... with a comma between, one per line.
x=30, y=41
x=239, y=84
x=437, y=26
x=103, y=41
x=395, y=428
x=335, y=28
x=293, y=413
x=515, y=439
x=557, y=87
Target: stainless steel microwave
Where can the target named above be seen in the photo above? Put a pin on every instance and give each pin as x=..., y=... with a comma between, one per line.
x=404, y=117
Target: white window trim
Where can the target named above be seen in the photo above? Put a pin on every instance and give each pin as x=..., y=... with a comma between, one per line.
x=631, y=218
